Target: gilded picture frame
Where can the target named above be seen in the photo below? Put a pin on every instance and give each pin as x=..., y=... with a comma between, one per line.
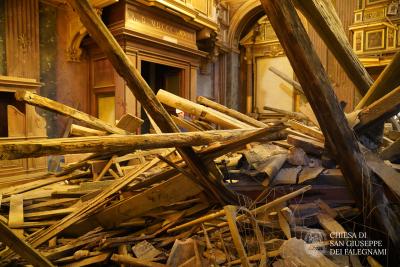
x=375, y=39
x=373, y=2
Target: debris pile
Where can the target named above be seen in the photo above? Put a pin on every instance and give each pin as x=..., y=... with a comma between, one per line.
x=284, y=192
x=127, y=205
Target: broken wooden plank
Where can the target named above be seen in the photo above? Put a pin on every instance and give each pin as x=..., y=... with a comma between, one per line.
x=317, y=87
x=307, y=111
x=105, y=169
x=387, y=81
x=306, y=130
x=129, y=123
x=146, y=251
x=379, y=111
x=308, y=145
x=22, y=248
x=230, y=214
x=134, y=261
x=389, y=176
x=91, y=260
x=34, y=224
x=235, y=144
x=200, y=111
x=78, y=130
x=391, y=152
x=287, y=79
x=58, y=146
x=50, y=203
x=49, y=213
x=162, y=194
x=231, y=112
x=181, y=251
x=57, y=107
x=290, y=114
x=284, y=225
x=309, y=173
x=287, y=176
x=185, y=124
x=87, y=208
x=16, y=214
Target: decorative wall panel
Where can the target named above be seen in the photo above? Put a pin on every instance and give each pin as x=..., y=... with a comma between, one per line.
x=375, y=31
x=22, y=38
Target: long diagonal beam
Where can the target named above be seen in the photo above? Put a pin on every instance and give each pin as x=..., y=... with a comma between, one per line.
x=367, y=189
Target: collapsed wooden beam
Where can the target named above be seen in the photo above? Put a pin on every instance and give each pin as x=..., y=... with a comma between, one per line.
x=392, y=152
x=62, y=109
x=387, y=81
x=74, y=145
x=269, y=133
x=379, y=111
x=323, y=17
x=231, y=112
x=290, y=114
x=22, y=248
x=200, y=111
x=78, y=130
x=367, y=189
x=287, y=79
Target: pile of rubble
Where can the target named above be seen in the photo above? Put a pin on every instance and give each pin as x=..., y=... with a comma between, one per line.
x=281, y=192
x=146, y=207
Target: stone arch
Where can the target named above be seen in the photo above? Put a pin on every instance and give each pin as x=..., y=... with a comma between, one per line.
x=246, y=13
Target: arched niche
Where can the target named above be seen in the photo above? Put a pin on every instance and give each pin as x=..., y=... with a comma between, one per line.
x=246, y=15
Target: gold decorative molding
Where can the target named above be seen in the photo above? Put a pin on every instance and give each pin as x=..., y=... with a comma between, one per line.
x=262, y=41
x=198, y=12
x=376, y=30
x=239, y=19
x=76, y=31
x=144, y=22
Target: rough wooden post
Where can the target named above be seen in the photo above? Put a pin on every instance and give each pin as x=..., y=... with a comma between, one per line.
x=367, y=189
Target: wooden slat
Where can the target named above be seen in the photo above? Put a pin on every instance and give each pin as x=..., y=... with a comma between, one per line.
x=78, y=130
x=231, y=112
x=22, y=248
x=378, y=112
x=200, y=111
x=306, y=130
x=230, y=214
x=16, y=214
x=62, y=109
x=129, y=123
x=162, y=194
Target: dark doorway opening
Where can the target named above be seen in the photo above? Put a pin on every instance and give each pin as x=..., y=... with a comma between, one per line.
x=164, y=77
